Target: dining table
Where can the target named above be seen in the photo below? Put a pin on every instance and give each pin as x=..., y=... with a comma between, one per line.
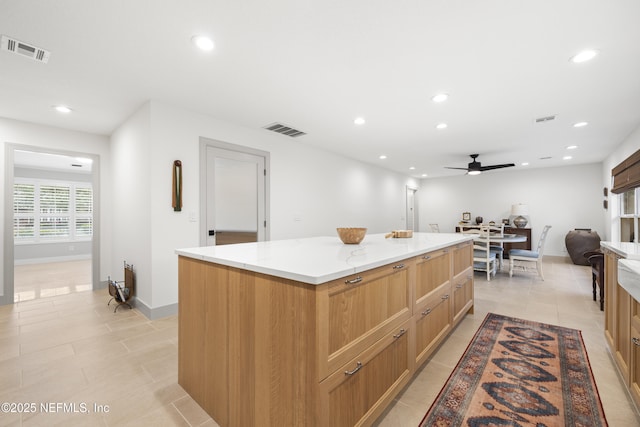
x=501, y=239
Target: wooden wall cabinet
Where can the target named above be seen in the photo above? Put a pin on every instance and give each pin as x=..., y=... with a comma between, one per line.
x=261, y=350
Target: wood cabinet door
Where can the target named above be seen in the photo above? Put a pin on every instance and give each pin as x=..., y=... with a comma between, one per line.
x=462, y=291
x=622, y=338
x=433, y=323
x=360, y=310
x=462, y=257
x=634, y=368
x=611, y=283
x=358, y=392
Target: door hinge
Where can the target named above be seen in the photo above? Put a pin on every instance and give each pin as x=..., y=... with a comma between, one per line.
x=265, y=223
x=265, y=172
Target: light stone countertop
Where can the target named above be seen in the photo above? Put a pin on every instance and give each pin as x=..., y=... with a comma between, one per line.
x=317, y=260
x=624, y=249
x=629, y=277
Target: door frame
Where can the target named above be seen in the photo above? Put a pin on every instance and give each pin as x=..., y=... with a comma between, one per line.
x=208, y=142
x=414, y=215
x=8, y=294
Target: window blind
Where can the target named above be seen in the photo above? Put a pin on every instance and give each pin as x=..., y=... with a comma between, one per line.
x=626, y=176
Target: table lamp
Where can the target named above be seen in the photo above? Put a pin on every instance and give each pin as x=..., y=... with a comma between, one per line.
x=520, y=211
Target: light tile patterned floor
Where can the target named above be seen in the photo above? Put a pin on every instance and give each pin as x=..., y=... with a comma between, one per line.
x=72, y=349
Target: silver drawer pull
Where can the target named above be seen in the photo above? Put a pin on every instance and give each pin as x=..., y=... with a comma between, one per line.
x=352, y=281
x=398, y=267
x=426, y=312
x=426, y=257
x=400, y=333
x=358, y=367
x=445, y=297
x=635, y=341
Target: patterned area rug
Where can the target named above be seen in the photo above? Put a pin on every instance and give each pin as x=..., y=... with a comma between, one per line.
x=520, y=373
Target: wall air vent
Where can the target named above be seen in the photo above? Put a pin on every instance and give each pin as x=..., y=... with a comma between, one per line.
x=545, y=119
x=24, y=49
x=284, y=129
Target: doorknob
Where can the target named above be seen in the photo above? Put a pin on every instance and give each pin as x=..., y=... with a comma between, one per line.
x=212, y=232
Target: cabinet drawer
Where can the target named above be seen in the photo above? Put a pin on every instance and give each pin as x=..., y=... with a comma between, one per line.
x=361, y=389
x=360, y=310
x=462, y=257
x=433, y=322
x=462, y=294
x=433, y=270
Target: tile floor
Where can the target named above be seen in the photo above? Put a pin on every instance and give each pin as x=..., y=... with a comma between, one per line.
x=121, y=369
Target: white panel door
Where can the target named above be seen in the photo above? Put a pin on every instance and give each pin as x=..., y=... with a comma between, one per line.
x=235, y=197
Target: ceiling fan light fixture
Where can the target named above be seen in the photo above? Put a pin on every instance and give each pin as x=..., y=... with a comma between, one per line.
x=62, y=109
x=580, y=124
x=474, y=173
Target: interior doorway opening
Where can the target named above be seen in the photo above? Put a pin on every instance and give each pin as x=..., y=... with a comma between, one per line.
x=51, y=223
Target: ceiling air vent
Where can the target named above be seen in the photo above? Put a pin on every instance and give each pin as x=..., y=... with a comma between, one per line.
x=545, y=119
x=24, y=49
x=284, y=129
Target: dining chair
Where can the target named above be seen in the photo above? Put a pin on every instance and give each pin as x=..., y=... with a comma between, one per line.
x=524, y=256
x=483, y=258
x=596, y=260
x=498, y=249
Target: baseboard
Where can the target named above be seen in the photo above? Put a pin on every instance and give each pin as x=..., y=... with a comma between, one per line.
x=51, y=259
x=156, y=312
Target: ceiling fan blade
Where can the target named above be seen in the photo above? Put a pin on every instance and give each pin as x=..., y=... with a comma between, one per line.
x=488, y=168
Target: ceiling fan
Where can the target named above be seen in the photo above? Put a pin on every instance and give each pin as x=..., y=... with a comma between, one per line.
x=475, y=167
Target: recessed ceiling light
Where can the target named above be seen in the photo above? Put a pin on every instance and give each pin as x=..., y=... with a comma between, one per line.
x=441, y=126
x=524, y=164
x=424, y=175
x=62, y=109
x=572, y=147
x=203, y=42
x=585, y=55
x=567, y=158
x=359, y=121
x=382, y=157
x=412, y=168
x=580, y=124
x=440, y=97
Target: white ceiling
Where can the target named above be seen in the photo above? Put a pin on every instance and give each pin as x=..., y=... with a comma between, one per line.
x=318, y=64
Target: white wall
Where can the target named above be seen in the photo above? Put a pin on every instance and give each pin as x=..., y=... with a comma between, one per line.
x=132, y=208
x=23, y=133
x=321, y=189
x=565, y=198
x=630, y=145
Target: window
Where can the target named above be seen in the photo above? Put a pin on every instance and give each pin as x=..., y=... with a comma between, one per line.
x=629, y=215
x=52, y=211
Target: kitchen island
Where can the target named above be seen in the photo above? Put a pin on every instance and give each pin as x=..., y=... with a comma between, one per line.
x=313, y=332
x=622, y=311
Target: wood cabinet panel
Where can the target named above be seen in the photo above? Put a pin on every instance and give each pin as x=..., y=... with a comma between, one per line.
x=634, y=368
x=611, y=283
x=360, y=390
x=462, y=292
x=433, y=323
x=622, y=343
x=432, y=271
x=462, y=257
